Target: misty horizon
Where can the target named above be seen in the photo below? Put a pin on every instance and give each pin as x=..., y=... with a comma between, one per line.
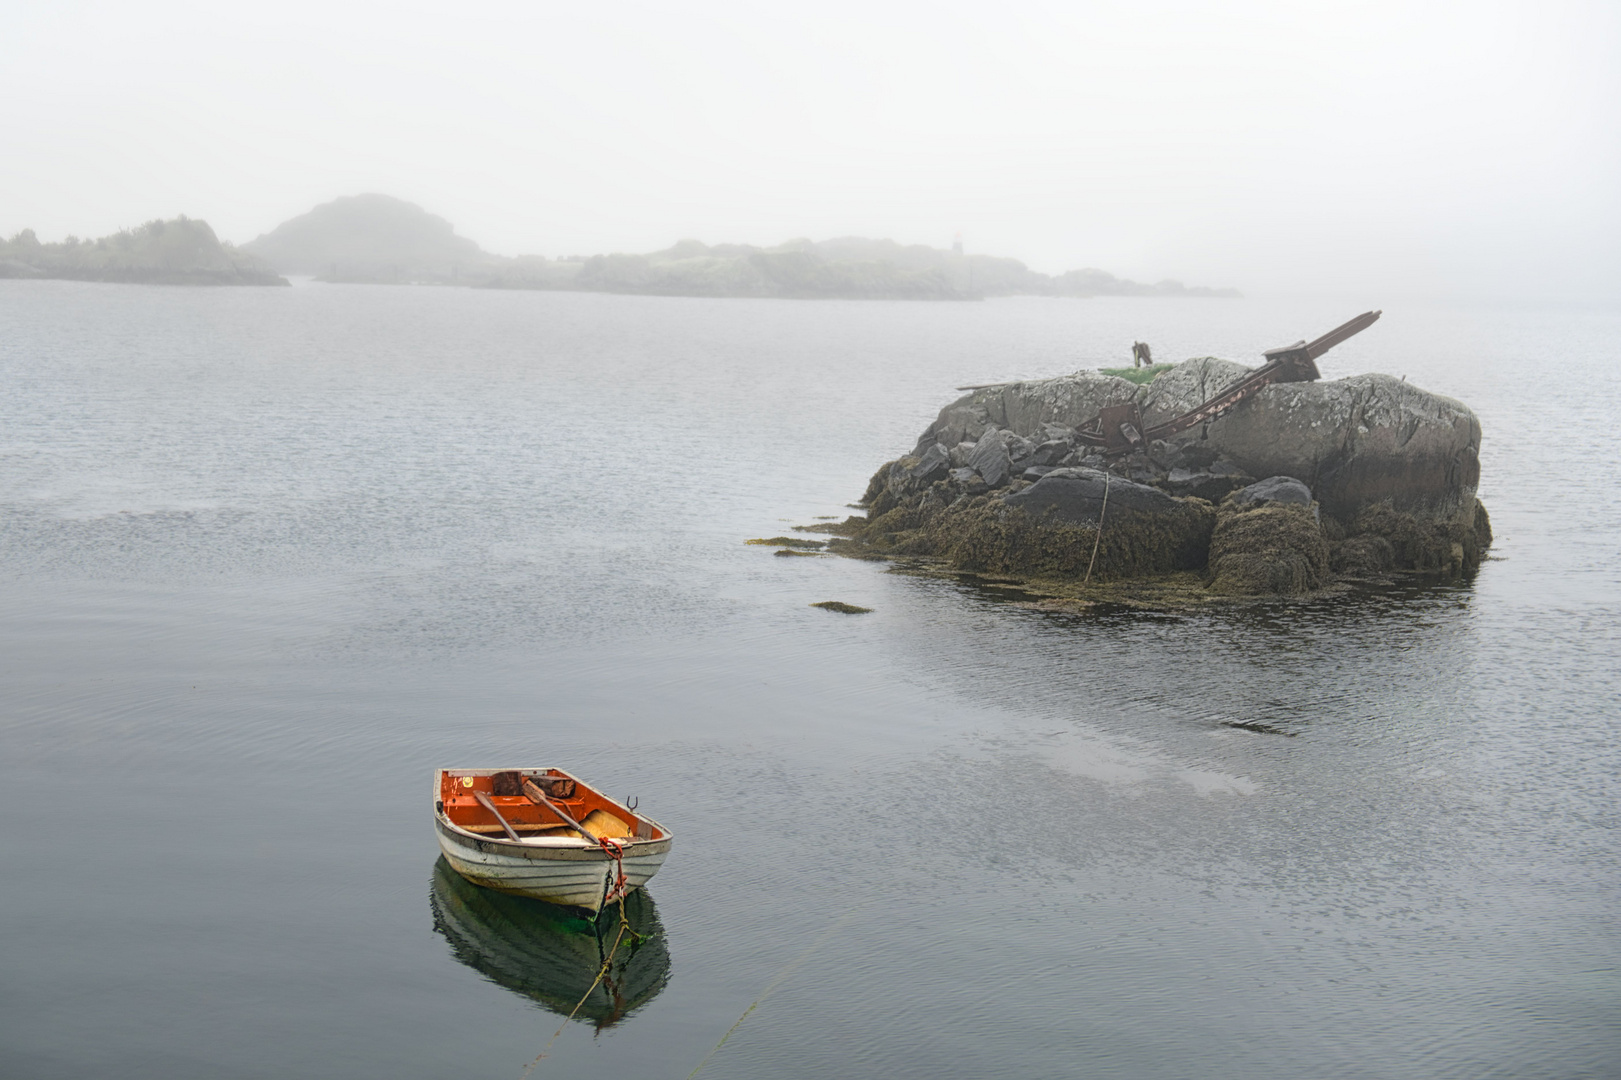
x=1446, y=151
x=956, y=243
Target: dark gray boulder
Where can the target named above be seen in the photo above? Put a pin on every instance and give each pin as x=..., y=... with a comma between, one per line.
x=990, y=459
x=1075, y=497
x=934, y=465
x=1051, y=453
x=1000, y=455
x=1278, y=489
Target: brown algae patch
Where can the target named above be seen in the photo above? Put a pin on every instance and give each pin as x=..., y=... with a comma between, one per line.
x=1267, y=549
x=850, y=526
x=980, y=536
x=788, y=542
x=1175, y=591
x=795, y=553
x=841, y=607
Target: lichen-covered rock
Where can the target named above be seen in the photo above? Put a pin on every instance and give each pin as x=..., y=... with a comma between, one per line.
x=1025, y=408
x=1360, y=442
x=1353, y=442
x=1187, y=386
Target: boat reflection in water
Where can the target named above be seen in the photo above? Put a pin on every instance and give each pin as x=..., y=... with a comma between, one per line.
x=549, y=953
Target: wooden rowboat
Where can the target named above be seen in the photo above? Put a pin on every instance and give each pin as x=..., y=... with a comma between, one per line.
x=545, y=834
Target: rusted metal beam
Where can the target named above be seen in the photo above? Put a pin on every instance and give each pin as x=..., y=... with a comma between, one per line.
x=1219, y=405
x=1340, y=333
x=1119, y=429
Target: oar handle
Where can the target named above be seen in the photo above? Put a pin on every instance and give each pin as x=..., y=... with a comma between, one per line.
x=532, y=790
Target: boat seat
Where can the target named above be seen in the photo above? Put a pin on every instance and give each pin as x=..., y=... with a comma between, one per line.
x=557, y=841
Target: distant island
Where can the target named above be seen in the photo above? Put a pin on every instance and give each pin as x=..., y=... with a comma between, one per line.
x=378, y=239
x=374, y=239
x=183, y=251
x=849, y=268
x=381, y=239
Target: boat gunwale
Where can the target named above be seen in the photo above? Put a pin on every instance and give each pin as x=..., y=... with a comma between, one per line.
x=491, y=845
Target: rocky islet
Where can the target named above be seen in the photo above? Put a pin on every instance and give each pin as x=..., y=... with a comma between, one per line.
x=1303, y=486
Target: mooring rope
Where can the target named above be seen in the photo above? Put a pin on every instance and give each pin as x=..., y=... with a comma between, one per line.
x=616, y=852
x=793, y=965
x=1099, y=539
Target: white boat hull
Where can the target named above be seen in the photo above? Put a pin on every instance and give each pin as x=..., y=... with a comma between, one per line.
x=575, y=876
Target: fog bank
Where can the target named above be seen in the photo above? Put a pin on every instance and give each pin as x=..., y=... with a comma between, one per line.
x=1465, y=149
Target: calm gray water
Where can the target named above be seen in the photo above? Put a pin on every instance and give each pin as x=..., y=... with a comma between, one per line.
x=268, y=557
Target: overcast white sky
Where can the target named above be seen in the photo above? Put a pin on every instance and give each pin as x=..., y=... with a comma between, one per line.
x=1416, y=148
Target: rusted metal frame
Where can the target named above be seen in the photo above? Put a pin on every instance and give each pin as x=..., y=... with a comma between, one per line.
x=1219, y=405
x=1108, y=432
x=1120, y=428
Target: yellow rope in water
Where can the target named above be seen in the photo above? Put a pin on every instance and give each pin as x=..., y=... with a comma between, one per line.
x=602, y=973
x=1101, y=511
x=793, y=965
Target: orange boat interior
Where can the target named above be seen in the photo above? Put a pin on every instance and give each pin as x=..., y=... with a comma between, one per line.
x=472, y=800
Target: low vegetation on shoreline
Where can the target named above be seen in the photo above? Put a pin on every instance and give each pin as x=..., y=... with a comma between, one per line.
x=183, y=251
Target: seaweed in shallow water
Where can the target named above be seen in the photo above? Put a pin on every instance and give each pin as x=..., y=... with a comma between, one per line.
x=788, y=541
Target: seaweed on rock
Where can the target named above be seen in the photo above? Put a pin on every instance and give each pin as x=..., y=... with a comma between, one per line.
x=1381, y=538
x=1267, y=548
x=983, y=535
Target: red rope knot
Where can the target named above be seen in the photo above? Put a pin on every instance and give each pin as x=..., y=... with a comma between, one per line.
x=616, y=852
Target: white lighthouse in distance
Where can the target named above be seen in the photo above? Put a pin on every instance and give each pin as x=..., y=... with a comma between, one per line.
x=956, y=245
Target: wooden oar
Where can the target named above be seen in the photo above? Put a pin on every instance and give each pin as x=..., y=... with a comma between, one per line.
x=532, y=790
x=484, y=801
